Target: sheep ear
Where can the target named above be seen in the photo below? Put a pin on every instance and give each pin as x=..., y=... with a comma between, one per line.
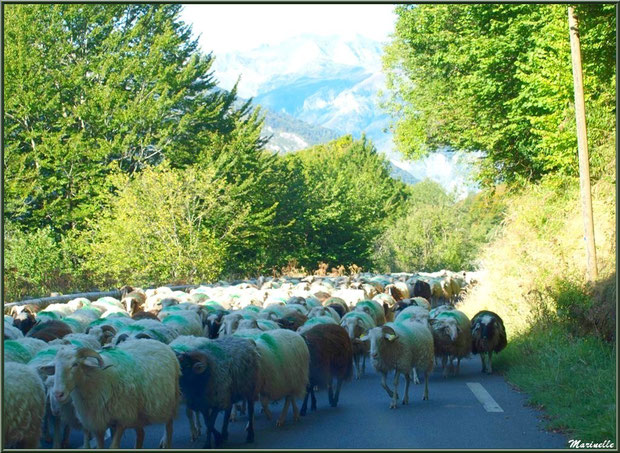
x=48, y=369
x=199, y=367
x=390, y=337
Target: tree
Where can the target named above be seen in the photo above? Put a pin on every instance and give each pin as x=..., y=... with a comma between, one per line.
x=92, y=90
x=497, y=78
x=349, y=198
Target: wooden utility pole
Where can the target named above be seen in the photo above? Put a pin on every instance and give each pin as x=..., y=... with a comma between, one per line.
x=582, y=144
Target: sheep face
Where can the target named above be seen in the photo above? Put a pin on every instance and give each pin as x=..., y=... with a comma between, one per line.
x=230, y=323
x=131, y=304
x=247, y=324
x=68, y=365
x=354, y=327
x=24, y=321
x=379, y=337
x=446, y=328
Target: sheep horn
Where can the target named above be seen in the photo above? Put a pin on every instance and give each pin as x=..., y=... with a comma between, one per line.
x=83, y=353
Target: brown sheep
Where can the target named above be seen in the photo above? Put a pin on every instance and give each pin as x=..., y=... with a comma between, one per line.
x=50, y=330
x=331, y=356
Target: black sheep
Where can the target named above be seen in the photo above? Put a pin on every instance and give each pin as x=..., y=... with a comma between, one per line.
x=488, y=336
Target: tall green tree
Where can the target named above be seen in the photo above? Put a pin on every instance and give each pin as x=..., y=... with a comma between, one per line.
x=349, y=198
x=498, y=78
x=96, y=89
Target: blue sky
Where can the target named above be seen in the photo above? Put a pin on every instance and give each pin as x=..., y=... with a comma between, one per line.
x=234, y=27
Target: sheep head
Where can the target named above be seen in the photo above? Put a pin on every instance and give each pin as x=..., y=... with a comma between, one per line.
x=70, y=363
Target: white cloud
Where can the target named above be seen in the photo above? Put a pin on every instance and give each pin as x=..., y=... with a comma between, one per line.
x=238, y=27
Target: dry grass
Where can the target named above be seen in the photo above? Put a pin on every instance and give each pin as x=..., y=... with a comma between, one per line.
x=541, y=242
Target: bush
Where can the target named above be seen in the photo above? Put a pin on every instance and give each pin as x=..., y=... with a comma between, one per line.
x=35, y=263
x=437, y=232
x=165, y=226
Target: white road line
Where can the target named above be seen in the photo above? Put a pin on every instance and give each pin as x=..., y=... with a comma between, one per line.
x=487, y=401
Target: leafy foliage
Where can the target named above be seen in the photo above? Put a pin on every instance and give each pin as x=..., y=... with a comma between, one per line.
x=498, y=78
x=437, y=232
x=94, y=90
x=347, y=200
x=165, y=225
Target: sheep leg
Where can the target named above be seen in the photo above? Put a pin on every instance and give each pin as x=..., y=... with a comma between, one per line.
x=356, y=358
x=458, y=365
x=250, y=427
x=337, y=395
x=194, y=431
x=394, y=402
x=287, y=402
x=407, y=382
x=444, y=359
x=484, y=365
x=295, y=409
x=384, y=384
x=415, y=376
x=265, y=403
x=489, y=369
x=166, y=440
x=210, y=415
x=330, y=392
x=86, y=443
x=57, y=440
x=225, y=423
x=99, y=437
x=364, y=364
x=140, y=437
x=425, y=397
x=313, y=399
x=304, y=405
x=116, y=439
x=65, y=436
x=46, y=422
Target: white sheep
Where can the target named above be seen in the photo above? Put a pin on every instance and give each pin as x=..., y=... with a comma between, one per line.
x=324, y=311
x=23, y=406
x=356, y=324
x=185, y=322
x=135, y=384
x=11, y=332
x=401, y=347
x=284, y=363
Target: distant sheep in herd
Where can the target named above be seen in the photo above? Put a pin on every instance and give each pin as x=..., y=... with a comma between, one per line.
x=117, y=364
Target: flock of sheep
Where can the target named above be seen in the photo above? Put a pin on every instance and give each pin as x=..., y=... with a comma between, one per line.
x=115, y=364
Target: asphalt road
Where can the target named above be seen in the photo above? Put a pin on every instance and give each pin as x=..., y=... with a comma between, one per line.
x=452, y=418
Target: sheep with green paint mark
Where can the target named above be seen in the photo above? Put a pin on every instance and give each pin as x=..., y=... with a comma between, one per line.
x=146, y=329
x=130, y=386
x=16, y=352
x=452, y=334
x=185, y=322
x=401, y=347
x=23, y=406
x=324, y=311
x=311, y=322
x=22, y=349
x=284, y=365
x=372, y=308
x=260, y=324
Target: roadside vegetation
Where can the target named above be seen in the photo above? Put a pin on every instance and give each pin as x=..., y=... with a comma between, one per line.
x=125, y=164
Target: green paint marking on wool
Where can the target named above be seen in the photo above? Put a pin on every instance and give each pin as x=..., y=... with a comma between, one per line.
x=133, y=328
x=175, y=318
x=17, y=349
x=215, y=349
x=118, y=356
x=47, y=314
x=181, y=348
x=254, y=308
x=172, y=308
x=272, y=345
x=46, y=353
x=158, y=335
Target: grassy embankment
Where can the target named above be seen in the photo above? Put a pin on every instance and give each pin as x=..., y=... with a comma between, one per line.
x=561, y=331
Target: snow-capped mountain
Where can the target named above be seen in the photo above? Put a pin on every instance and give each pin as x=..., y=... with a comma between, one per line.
x=332, y=83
